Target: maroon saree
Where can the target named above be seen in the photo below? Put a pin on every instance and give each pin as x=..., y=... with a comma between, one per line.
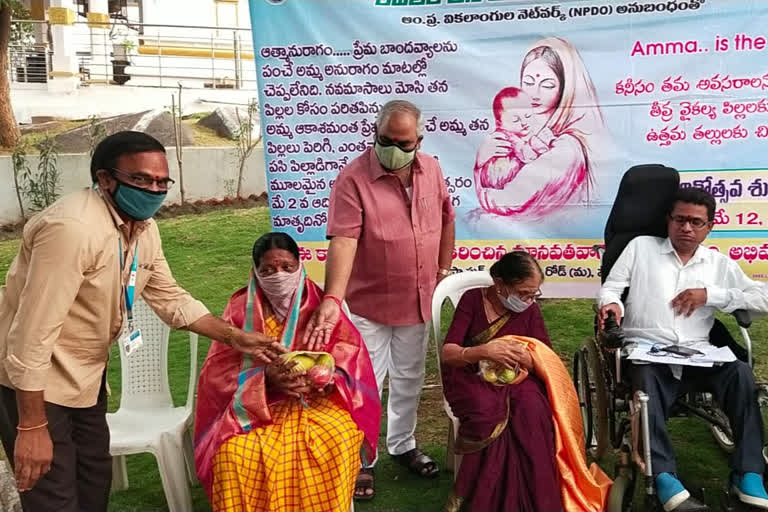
x=516, y=472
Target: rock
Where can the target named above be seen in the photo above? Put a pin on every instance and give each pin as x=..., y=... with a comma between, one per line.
x=224, y=121
x=156, y=123
x=9, y=498
x=160, y=126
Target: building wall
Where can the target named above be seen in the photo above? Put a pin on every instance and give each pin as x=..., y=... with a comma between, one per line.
x=197, y=12
x=209, y=173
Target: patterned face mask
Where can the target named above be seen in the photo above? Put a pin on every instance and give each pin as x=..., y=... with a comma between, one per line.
x=279, y=289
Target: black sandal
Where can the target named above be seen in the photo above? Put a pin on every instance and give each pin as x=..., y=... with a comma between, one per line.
x=419, y=463
x=364, y=482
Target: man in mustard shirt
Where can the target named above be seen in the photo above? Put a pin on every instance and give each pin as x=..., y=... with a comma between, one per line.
x=81, y=264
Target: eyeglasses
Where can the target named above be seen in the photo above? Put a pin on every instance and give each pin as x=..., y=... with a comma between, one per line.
x=143, y=180
x=529, y=297
x=674, y=351
x=695, y=222
x=406, y=146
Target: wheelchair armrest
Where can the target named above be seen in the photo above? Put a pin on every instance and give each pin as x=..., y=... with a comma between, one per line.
x=743, y=318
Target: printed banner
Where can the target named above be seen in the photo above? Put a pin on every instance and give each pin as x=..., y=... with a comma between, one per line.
x=534, y=110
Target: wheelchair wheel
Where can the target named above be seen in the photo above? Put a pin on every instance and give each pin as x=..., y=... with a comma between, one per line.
x=589, y=380
x=584, y=392
x=724, y=438
x=600, y=412
x=620, y=495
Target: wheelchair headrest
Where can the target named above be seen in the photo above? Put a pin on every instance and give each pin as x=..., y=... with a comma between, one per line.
x=645, y=196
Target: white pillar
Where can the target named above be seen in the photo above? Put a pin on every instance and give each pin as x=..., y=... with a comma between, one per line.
x=101, y=46
x=64, y=71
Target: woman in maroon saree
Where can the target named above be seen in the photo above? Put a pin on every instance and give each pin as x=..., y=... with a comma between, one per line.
x=506, y=432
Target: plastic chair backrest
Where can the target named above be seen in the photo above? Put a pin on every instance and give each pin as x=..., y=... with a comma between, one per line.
x=145, y=372
x=452, y=288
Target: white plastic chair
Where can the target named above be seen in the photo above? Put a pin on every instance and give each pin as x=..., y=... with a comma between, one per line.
x=452, y=288
x=147, y=421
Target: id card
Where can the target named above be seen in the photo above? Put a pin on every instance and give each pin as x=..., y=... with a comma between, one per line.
x=132, y=341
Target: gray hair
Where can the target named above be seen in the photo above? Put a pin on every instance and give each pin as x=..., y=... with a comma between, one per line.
x=399, y=107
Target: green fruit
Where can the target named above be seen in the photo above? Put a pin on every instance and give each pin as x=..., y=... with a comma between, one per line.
x=303, y=363
x=507, y=375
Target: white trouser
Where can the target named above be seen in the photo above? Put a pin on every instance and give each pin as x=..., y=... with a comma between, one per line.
x=399, y=351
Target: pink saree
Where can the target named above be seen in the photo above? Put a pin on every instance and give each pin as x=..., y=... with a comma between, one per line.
x=232, y=397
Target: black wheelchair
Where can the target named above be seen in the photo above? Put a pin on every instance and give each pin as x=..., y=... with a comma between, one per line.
x=612, y=416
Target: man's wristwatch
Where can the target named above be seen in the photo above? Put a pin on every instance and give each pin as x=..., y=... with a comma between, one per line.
x=444, y=272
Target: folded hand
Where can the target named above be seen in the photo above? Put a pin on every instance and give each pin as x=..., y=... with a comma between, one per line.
x=508, y=354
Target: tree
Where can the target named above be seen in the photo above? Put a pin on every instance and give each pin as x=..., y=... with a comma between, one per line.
x=247, y=140
x=177, y=135
x=9, y=128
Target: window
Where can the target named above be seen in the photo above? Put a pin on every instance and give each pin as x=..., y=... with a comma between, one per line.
x=227, y=13
x=81, y=6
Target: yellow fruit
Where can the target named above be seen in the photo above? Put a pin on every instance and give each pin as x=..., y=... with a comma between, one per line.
x=507, y=375
x=325, y=360
x=490, y=376
x=303, y=363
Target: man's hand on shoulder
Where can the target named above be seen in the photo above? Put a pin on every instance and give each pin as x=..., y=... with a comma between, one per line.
x=689, y=300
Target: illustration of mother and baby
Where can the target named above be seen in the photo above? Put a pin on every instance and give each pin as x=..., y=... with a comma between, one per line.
x=539, y=158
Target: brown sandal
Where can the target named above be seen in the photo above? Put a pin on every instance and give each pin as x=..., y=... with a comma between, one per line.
x=364, y=481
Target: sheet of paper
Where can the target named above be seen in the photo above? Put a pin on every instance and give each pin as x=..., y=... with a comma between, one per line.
x=710, y=354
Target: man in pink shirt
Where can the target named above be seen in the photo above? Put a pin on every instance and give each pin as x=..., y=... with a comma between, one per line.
x=391, y=227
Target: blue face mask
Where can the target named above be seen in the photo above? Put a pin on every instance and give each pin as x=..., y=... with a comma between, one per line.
x=137, y=203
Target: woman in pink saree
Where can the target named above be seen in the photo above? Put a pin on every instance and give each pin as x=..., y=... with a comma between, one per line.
x=264, y=438
x=567, y=116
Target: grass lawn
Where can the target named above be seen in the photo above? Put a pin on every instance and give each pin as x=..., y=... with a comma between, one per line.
x=210, y=256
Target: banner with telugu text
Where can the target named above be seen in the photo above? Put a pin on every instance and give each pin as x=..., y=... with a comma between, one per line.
x=534, y=110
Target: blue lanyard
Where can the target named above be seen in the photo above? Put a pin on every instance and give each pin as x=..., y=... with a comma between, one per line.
x=129, y=290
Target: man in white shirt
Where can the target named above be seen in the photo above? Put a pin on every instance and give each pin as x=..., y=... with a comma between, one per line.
x=675, y=287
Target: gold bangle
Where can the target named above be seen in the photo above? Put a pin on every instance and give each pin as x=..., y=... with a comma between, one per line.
x=27, y=429
x=461, y=356
x=444, y=271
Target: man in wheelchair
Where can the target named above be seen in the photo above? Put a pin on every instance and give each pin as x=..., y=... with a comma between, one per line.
x=676, y=285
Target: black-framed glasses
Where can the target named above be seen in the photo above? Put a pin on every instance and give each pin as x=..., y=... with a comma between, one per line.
x=383, y=141
x=144, y=180
x=695, y=222
x=674, y=350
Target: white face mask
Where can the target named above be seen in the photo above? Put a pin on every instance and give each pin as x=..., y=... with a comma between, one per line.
x=514, y=303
